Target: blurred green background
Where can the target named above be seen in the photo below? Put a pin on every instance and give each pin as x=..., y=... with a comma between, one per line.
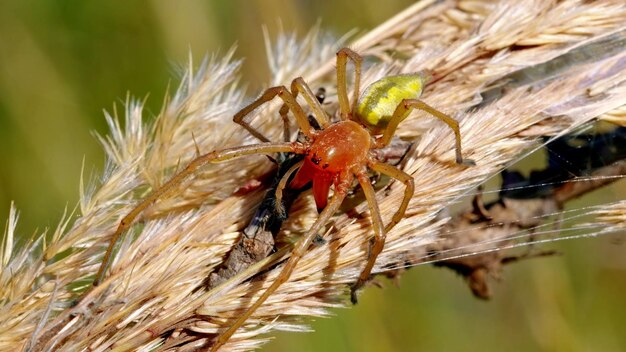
x=62, y=62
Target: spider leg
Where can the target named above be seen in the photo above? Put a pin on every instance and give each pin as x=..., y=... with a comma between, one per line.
x=345, y=108
x=408, y=190
x=299, y=86
x=283, y=93
x=379, y=233
x=298, y=251
x=284, y=115
x=189, y=170
x=281, y=186
x=401, y=113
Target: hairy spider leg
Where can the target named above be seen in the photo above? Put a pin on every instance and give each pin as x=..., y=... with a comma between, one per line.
x=401, y=113
x=299, y=86
x=282, y=92
x=409, y=188
x=345, y=108
x=284, y=115
x=189, y=170
x=299, y=250
x=281, y=186
x=380, y=233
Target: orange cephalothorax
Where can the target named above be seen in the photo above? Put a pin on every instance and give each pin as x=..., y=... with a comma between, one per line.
x=338, y=148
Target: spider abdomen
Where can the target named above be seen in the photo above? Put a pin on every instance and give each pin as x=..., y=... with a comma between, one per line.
x=381, y=98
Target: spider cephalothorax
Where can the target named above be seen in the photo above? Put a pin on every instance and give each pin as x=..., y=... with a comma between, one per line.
x=342, y=147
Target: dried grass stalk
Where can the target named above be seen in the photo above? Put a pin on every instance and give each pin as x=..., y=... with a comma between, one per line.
x=153, y=296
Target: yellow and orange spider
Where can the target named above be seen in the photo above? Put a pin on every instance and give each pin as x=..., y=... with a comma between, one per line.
x=334, y=156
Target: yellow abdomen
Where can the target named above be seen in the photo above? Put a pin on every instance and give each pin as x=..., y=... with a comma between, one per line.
x=380, y=99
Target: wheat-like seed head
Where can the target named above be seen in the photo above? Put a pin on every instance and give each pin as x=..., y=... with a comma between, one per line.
x=153, y=295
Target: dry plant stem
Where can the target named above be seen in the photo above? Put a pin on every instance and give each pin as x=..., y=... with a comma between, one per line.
x=395, y=25
x=501, y=223
x=599, y=178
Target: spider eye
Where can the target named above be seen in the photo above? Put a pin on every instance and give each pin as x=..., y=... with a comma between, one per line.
x=316, y=160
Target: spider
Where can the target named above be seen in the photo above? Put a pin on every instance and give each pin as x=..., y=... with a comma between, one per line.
x=335, y=156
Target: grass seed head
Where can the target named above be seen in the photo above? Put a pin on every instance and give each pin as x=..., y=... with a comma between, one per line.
x=152, y=288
